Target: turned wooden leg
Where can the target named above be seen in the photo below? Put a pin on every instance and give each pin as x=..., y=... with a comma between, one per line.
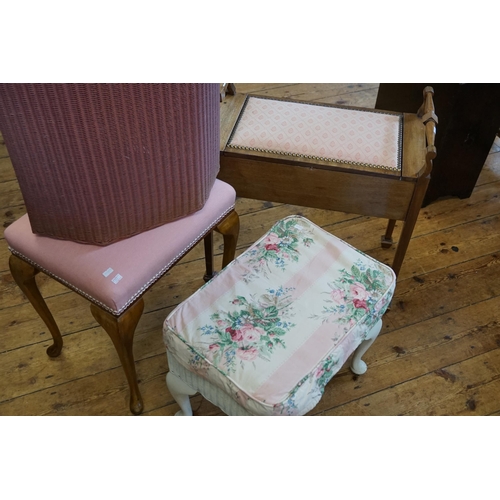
x=230, y=229
x=180, y=392
x=24, y=275
x=404, y=241
x=121, y=329
x=209, y=256
x=409, y=224
x=387, y=240
x=358, y=366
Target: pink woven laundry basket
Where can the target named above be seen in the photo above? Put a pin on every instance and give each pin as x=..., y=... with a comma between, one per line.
x=97, y=163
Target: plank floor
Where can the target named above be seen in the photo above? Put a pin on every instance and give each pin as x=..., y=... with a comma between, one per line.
x=438, y=354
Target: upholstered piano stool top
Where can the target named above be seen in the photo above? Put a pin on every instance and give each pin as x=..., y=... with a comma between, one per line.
x=349, y=137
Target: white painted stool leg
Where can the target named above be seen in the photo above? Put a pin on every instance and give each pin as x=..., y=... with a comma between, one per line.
x=358, y=366
x=180, y=392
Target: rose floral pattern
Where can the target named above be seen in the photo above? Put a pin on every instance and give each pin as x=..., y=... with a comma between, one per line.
x=256, y=327
x=310, y=389
x=274, y=326
x=280, y=246
x=325, y=372
x=197, y=362
x=357, y=294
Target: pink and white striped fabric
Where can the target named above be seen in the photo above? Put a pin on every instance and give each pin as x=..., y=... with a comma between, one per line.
x=278, y=322
x=341, y=135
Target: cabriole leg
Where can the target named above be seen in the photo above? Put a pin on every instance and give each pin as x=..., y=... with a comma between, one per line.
x=230, y=229
x=180, y=392
x=209, y=256
x=358, y=366
x=121, y=329
x=24, y=275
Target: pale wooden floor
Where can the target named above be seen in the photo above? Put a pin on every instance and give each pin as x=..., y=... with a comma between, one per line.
x=438, y=354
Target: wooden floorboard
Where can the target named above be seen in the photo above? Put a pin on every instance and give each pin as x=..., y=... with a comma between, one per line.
x=438, y=353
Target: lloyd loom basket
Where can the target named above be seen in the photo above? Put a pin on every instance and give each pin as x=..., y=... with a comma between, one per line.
x=97, y=163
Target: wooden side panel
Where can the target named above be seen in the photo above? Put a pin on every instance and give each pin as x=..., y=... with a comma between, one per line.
x=317, y=188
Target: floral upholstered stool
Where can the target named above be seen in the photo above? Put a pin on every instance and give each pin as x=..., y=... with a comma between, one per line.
x=267, y=334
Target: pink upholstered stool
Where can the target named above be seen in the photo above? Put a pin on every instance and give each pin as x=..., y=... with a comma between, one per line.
x=114, y=277
x=268, y=333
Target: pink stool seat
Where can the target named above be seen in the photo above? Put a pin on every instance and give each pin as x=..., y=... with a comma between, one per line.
x=114, y=276
x=366, y=138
